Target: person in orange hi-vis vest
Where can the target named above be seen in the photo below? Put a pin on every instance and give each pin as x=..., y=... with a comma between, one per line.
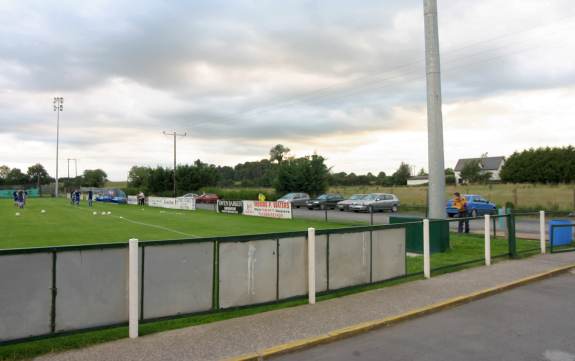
x=460, y=203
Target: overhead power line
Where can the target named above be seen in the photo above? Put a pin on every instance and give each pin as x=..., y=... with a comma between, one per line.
x=409, y=72
x=400, y=72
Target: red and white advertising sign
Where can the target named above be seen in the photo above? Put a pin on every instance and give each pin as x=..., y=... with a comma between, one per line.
x=268, y=209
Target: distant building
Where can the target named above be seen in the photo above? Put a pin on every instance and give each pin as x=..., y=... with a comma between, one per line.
x=490, y=165
x=418, y=181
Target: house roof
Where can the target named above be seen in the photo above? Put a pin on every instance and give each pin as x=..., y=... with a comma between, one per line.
x=488, y=163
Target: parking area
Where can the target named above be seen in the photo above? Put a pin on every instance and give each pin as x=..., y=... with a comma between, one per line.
x=526, y=227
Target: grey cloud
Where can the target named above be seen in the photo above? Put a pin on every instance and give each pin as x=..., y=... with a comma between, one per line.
x=77, y=49
x=152, y=48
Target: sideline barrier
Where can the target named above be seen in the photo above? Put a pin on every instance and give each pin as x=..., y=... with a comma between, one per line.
x=59, y=290
x=476, y=247
x=281, y=210
x=172, y=203
x=438, y=234
x=6, y=192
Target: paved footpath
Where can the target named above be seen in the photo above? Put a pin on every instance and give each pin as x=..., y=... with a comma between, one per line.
x=532, y=322
x=249, y=335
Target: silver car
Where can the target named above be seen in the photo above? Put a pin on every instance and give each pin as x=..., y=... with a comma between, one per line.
x=377, y=202
x=296, y=199
x=344, y=205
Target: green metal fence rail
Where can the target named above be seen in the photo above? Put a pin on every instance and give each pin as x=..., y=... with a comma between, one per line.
x=511, y=240
x=410, y=227
x=144, y=247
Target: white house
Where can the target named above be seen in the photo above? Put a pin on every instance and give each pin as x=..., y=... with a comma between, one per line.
x=491, y=165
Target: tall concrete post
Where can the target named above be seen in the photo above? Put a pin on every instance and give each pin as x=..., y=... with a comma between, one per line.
x=436, y=194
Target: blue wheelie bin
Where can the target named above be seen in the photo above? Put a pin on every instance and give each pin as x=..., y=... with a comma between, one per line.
x=560, y=236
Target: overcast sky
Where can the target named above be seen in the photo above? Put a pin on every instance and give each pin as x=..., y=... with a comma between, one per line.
x=345, y=79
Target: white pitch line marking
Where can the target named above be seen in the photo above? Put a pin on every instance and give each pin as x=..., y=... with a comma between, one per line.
x=158, y=227
x=154, y=226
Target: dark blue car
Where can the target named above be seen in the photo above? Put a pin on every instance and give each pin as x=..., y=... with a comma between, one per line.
x=476, y=206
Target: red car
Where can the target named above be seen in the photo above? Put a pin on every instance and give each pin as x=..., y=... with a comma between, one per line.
x=207, y=198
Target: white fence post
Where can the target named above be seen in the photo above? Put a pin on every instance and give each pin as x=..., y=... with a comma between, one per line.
x=311, y=265
x=542, y=231
x=487, y=240
x=426, y=250
x=133, y=289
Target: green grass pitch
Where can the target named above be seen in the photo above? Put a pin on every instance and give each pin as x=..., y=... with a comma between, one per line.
x=65, y=224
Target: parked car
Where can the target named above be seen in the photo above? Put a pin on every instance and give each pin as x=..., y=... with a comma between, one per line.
x=207, y=198
x=325, y=201
x=189, y=195
x=344, y=205
x=476, y=206
x=377, y=202
x=296, y=199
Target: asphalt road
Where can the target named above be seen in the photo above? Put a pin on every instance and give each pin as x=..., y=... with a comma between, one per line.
x=533, y=322
x=523, y=224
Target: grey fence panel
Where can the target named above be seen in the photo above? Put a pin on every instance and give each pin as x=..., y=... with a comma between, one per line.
x=177, y=279
x=349, y=259
x=25, y=295
x=92, y=288
x=248, y=272
x=388, y=254
x=292, y=267
x=320, y=263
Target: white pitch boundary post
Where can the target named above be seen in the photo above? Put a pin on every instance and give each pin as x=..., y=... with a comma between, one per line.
x=133, y=289
x=426, y=250
x=542, y=231
x=311, y=265
x=487, y=240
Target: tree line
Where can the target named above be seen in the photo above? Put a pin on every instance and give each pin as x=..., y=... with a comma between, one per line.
x=308, y=174
x=284, y=174
x=541, y=165
x=36, y=175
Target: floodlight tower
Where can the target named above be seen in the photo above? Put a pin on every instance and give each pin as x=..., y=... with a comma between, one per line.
x=58, y=107
x=436, y=194
x=175, y=134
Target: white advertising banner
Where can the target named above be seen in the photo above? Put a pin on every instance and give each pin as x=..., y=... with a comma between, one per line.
x=157, y=202
x=133, y=200
x=186, y=203
x=268, y=209
x=172, y=203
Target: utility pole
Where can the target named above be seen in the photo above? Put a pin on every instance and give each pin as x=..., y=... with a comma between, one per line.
x=75, y=167
x=436, y=205
x=58, y=107
x=175, y=135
